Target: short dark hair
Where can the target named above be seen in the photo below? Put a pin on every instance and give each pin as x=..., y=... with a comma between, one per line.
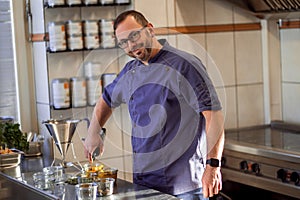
x=139, y=17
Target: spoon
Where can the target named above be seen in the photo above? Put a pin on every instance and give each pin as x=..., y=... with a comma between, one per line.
x=70, y=164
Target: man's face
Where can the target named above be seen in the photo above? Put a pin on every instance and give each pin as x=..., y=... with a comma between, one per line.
x=134, y=39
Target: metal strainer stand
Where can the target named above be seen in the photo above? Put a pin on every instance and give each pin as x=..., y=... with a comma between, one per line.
x=62, y=132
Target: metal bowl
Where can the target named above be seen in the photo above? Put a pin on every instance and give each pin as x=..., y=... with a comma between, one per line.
x=10, y=160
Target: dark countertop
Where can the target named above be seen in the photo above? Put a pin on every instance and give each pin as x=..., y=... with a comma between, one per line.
x=20, y=178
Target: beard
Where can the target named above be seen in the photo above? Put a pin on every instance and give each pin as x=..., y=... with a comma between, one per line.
x=142, y=51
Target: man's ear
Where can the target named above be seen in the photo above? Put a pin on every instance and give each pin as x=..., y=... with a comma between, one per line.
x=151, y=30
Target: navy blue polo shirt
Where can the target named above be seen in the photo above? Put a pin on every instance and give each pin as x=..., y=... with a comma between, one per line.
x=165, y=100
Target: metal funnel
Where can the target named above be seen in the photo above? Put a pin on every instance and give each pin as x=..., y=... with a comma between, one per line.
x=62, y=132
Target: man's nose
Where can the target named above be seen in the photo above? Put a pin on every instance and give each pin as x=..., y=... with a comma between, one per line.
x=131, y=44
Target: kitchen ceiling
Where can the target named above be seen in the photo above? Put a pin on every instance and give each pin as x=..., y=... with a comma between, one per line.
x=270, y=9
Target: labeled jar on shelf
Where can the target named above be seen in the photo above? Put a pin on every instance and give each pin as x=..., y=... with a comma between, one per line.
x=89, y=2
x=90, y=27
x=91, y=41
x=106, y=2
x=74, y=35
x=75, y=42
x=106, y=25
x=78, y=92
x=60, y=93
x=74, y=27
x=108, y=40
x=57, y=36
x=122, y=1
x=94, y=89
x=107, y=33
x=91, y=34
x=73, y=2
x=53, y=3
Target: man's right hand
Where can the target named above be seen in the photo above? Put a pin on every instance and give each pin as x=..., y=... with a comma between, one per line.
x=92, y=141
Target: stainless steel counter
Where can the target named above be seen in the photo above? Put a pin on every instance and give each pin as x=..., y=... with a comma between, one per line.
x=265, y=157
x=16, y=183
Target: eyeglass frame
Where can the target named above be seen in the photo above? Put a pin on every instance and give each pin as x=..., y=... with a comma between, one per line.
x=129, y=38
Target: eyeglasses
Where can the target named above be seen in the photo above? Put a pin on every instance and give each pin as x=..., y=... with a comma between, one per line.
x=133, y=37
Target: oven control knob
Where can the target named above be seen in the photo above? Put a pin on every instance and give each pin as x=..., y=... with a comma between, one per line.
x=282, y=174
x=255, y=168
x=244, y=165
x=295, y=177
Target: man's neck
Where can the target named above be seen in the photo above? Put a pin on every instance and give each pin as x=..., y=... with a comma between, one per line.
x=155, y=49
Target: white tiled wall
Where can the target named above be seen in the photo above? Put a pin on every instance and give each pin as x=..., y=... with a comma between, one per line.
x=290, y=43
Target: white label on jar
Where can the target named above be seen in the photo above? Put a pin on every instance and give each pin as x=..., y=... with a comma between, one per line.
x=94, y=88
x=107, y=26
x=78, y=93
x=74, y=28
x=75, y=43
x=91, y=41
x=90, y=27
x=57, y=37
x=57, y=45
x=61, y=94
x=73, y=2
x=108, y=41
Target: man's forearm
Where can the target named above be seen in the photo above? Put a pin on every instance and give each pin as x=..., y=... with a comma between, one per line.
x=214, y=133
x=100, y=115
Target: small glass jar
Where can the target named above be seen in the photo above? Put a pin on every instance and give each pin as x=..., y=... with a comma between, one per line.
x=86, y=191
x=44, y=180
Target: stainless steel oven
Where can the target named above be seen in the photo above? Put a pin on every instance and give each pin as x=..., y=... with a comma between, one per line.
x=264, y=157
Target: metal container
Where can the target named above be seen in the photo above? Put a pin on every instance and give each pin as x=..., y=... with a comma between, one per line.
x=86, y=191
x=57, y=36
x=94, y=90
x=7, y=119
x=10, y=159
x=105, y=186
x=60, y=93
x=34, y=149
x=78, y=92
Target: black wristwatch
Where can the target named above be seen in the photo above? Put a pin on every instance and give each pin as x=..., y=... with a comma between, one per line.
x=213, y=162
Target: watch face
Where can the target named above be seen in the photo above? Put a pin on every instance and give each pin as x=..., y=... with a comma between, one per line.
x=213, y=162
